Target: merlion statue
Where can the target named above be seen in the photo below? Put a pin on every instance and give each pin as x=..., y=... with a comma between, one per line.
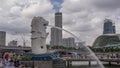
x=38, y=37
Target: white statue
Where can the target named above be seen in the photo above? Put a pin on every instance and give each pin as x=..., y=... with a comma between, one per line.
x=38, y=35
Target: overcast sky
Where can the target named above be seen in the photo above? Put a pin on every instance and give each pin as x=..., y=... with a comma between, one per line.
x=84, y=18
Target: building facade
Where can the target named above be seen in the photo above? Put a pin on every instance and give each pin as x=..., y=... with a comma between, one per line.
x=109, y=27
x=56, y=34
x=2, y=38
x=114, y=29
x=68, y=42
x=53, y=37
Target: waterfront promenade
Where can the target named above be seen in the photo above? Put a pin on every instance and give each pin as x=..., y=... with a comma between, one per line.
x=79, y=56
x=116, y=60
x=70, y=61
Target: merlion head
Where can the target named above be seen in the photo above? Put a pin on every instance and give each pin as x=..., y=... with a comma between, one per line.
x=41, y=20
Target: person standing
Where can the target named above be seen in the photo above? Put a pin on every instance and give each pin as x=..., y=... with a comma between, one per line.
x=16, y=63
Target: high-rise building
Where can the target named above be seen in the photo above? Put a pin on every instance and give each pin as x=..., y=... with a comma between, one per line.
x=58, y=19
x=65, y=42
x=68, y=42
x=114, y=30
x=56, y=34
x=2, y=38
x=53, y=37
x=12, y=43
x=109, y=27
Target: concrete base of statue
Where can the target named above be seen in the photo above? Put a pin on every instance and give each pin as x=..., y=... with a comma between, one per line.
x=48, y=60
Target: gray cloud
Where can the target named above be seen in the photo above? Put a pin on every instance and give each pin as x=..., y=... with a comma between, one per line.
x=16, y=16
x=107, y=4
x=84, y=18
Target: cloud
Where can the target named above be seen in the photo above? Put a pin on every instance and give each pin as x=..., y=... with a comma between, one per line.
x=85, y=17
x=56, y=4
x=37, y=8
x=16, y=16
x=107, y=4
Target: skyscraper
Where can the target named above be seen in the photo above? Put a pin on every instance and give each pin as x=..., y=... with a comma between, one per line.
x=58, y=19
x=114, y=30
x=109, y=27
x=2, y=38
x=53, y=36
x=56, y=34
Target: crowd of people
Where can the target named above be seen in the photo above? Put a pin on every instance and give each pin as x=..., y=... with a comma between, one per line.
x=10, y=60
x=108, y=55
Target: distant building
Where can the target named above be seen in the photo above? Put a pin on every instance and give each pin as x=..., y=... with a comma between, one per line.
x=107, y=40
x=12, y=43
x=109, y=27
x=56, y=34
x=114, y=29
x=80, y=44
x=2, y=38
x=69, y=42
x=65, y=42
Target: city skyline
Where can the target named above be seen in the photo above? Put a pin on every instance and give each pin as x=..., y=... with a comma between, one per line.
x=85, y=22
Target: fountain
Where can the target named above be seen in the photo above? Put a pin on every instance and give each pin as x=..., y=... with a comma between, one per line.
x=40, y=55
x=86, y=49
x=38, y=41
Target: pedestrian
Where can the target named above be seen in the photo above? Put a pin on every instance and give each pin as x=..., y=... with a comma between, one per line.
x=16, y=63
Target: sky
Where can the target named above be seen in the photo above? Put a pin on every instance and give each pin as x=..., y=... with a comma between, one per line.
x=84, y=18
